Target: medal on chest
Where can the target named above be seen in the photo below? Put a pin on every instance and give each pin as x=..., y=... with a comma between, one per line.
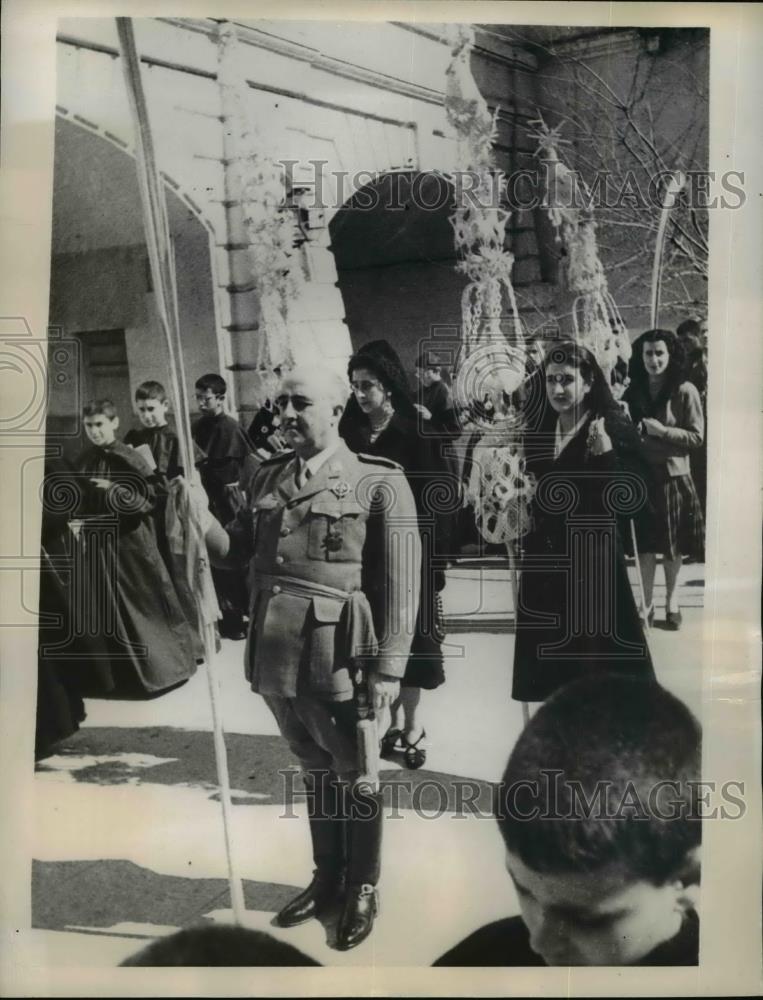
x=333, y=541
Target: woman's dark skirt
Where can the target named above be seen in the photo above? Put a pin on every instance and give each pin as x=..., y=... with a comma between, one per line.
x=675, y=526
x=570, y=623
x=425, y=662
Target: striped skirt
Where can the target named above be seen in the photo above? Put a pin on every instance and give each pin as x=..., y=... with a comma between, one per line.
x=674, y=526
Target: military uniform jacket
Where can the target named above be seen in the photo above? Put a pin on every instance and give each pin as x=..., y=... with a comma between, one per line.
x=351, y=528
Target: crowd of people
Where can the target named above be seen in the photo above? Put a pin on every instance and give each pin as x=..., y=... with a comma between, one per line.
x=330, y=524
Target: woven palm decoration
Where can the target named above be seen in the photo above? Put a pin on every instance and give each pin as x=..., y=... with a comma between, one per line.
x=596, y=320
x=491, y=365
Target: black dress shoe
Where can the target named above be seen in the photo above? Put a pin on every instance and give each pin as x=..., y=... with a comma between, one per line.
x=235, y=634
x=315, y=899
x=356, y=923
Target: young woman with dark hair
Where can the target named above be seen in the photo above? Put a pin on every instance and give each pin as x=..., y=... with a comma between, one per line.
x=576, y=612
x=380, y=419
x=667, y=410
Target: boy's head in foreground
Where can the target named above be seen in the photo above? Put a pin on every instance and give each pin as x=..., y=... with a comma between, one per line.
x=210, y=394
x=601, y=821
x=219, y=945
x=152, y=404
x=101, y=421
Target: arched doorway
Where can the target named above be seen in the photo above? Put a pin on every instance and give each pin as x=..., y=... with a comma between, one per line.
x=395, y=259
x=101, y=297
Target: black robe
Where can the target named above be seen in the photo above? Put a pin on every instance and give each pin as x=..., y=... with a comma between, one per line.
x=438, y=399
x=70, y=662
x=163, y=443
x=150, y=644
x=225, y=447
x=576, y=613
x=165, y=449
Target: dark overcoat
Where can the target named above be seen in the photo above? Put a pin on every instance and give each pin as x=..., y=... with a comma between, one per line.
x=576, y=613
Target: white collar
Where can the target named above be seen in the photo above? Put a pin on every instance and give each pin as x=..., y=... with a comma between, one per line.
x=314, y=463
x=561, y=440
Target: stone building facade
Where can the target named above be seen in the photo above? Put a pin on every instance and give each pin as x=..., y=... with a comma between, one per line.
x=356, y=111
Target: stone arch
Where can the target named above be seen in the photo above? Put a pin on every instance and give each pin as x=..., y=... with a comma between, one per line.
x=99, y=274
x=64, y=114
x=395, y=258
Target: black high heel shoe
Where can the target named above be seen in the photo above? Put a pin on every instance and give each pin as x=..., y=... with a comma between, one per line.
x=391, y=742
x=415, y=756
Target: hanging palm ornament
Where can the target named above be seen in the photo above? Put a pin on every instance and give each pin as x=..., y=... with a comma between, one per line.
x=257, y=183
x=491, y=365
x=596, y=320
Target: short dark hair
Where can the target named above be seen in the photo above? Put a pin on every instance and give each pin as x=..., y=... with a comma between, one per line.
x=151, y=390
x=690, y=328
x=219, y=945
x=100, y=408
x=619, y=737
x=215, y=383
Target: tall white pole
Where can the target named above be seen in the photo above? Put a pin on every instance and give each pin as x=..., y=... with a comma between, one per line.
x=163, y=275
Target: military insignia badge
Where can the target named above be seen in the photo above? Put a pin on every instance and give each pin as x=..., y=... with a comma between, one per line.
x=333, y=541
x=340, y=489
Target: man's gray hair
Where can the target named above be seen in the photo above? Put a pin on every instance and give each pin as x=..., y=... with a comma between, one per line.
x=333, y=385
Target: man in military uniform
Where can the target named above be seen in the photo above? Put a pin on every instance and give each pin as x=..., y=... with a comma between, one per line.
x=334, y=557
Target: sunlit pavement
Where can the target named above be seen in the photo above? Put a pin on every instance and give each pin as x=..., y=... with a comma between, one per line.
x=129, y=838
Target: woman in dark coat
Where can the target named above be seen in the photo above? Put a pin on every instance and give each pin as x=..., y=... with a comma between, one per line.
x=380, y=419
x=576, y=611
x=667, y=409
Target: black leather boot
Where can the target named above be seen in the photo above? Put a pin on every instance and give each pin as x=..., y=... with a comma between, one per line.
x=329, y=837
x=361, y=904
x=324, y=890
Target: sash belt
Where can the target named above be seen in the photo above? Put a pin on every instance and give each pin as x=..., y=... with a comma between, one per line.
x=301, y=588
x=357, y=636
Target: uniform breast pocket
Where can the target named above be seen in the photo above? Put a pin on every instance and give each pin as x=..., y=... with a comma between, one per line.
x=336, y=531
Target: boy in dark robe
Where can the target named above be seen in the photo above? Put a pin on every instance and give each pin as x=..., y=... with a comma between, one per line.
x=225, y=447
x=149, y=641
x=600, y=815
x=155, y=434
x=435, y=405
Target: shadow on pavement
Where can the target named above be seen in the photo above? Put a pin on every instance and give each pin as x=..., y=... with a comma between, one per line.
x=186, y=758
x=92, y=894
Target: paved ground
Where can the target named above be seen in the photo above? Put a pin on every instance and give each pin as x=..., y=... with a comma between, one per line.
x=129, y=837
